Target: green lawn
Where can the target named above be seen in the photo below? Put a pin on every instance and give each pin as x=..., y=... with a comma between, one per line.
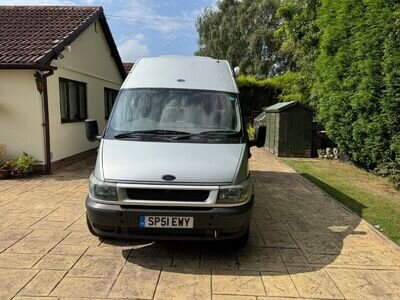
x=368, y=195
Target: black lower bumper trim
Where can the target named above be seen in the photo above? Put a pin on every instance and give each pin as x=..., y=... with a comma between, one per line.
x=209, y=223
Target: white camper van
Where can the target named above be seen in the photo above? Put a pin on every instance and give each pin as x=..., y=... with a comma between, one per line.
x=173, y=159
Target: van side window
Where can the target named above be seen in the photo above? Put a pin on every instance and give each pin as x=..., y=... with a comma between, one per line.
x=73, y=101
x=110, y=96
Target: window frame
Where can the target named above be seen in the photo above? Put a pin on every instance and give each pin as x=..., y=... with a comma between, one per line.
x=106, y=91
x=78, y=100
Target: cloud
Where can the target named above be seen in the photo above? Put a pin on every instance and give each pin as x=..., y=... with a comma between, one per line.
x=133, y=48
x=145, y=13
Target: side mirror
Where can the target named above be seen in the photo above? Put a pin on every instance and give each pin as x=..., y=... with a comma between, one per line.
x=259, y=137
x=92, y=130
x=236, y=71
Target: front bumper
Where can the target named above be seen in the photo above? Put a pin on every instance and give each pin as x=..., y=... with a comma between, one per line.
x=110, y=220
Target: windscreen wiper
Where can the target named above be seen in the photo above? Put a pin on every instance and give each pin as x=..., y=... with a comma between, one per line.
x=212, y=133
x=149, y=132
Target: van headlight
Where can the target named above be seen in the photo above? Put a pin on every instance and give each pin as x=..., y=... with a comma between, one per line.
x=102, y=190
x=235, y=194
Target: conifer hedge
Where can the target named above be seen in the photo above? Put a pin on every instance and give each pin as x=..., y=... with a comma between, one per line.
x=358, y=79
x=258, y=93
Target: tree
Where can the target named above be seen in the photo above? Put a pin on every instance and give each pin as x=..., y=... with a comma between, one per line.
x=243, y=32
x=299, y=35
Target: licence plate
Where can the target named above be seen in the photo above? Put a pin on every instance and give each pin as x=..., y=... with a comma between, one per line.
x=165, y=222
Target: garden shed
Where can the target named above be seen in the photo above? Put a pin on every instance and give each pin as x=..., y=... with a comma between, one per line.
x=289, y=129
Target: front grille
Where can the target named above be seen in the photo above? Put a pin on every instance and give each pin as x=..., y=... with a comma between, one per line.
x=168, y=209
x=168, y=195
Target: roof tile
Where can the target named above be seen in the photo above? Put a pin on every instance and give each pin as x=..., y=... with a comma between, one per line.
x=128, y=66
x=28, y=33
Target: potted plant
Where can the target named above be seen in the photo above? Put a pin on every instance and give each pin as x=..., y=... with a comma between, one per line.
x=5, y=169
x=23, y=165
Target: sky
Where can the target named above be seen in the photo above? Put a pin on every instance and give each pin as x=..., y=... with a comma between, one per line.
x=144, y=27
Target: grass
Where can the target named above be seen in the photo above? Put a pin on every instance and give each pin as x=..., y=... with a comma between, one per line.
x=368, y=195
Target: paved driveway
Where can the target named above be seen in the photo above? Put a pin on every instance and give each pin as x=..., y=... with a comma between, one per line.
x=302, y=244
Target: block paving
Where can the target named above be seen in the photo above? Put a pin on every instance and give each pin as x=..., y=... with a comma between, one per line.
x=303, y=245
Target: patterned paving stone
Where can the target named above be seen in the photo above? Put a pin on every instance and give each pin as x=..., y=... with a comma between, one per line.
x=135, y=282
x=183, y=284
x=82, y=239
x=83, y=287
x=314, y=283
x=256, y=241
x=356, y=284
x=262, y=259
x=303, y=245
x=31, y=247
x=186, y=257
x=237, y=283
x=149, y=261
x=12, y=280
x=10, y=236
x=34, y=298
x=272, y=225
x=97, y=266
x=25, y=223
x=233, y=297
x=392, y=278
x=106, y=251
x=57, y=262
x=280, y=239
x=68, y=250
x=225, y=264
x=18, y=261
x=43, y=283
x=293, y=256
x=51, y=225
x=279, y=285
x=318, y=243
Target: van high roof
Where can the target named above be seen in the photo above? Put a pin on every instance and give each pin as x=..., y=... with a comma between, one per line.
x=182, y=72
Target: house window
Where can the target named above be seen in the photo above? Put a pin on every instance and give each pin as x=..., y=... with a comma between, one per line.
x=73, y=102
x=109, y=100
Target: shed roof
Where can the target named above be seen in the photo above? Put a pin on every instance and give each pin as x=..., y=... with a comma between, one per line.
x=32, y=36
x=260, y=117
x=281, y=106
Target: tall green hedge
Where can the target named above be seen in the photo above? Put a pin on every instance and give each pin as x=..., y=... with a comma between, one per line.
x=258, y=93
x=358, y=78
x=255, y=94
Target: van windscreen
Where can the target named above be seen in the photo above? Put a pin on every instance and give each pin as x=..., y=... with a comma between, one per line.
x=190, y=111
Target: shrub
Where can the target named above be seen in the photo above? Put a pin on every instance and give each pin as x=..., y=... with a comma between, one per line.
x=251, y=131
x=390, y=170
x=23, y=163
